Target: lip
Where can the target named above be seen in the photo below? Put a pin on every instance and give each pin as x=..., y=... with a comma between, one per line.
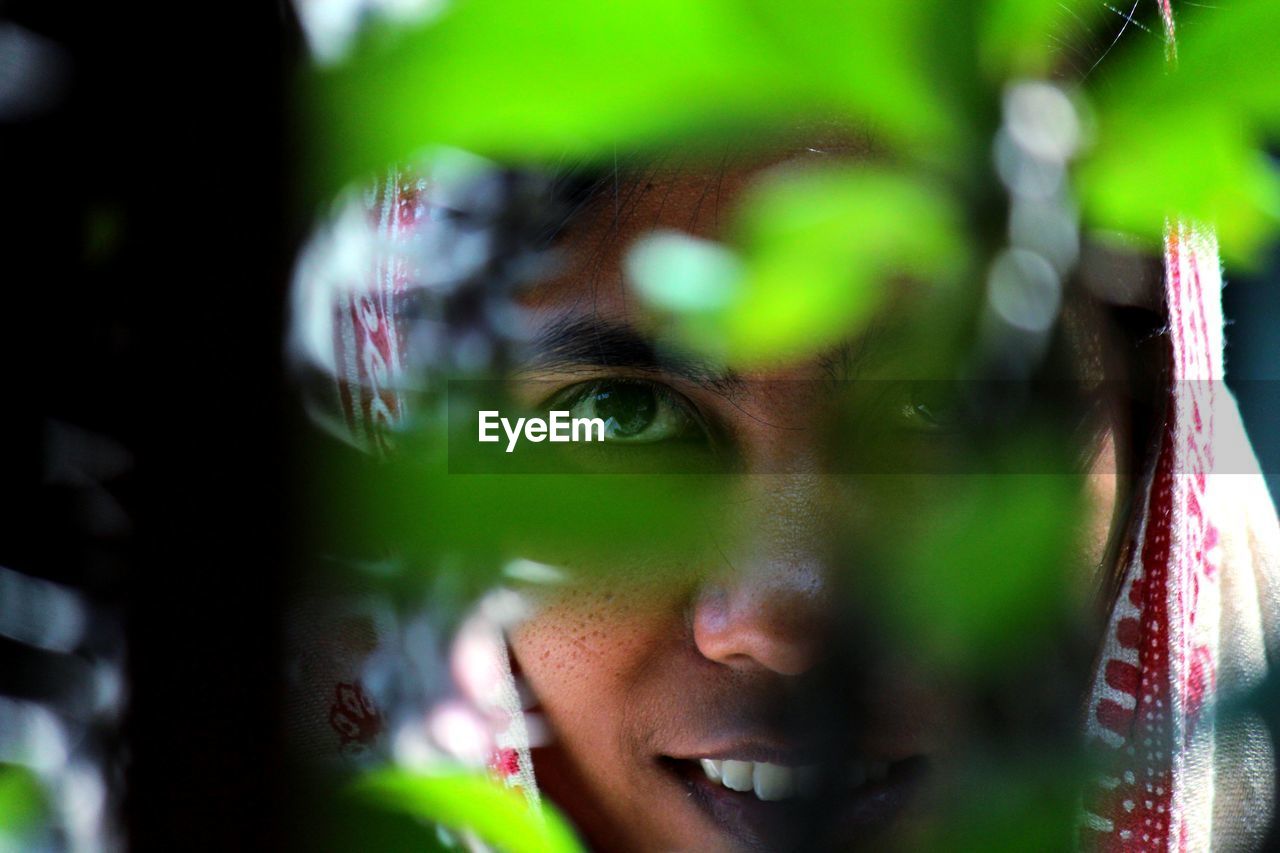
x=755, y=750
x=852, y=814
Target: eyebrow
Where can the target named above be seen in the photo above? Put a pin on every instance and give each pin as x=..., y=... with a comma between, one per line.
x=572, y=343
x=844, y=361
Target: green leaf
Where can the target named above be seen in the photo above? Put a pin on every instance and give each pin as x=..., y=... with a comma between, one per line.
x=1027, y=37
x=22, y=801
x=1225, y=58
x=515, y=79
x=682, y=274
x=1014, y=805
x=882, y=61
x=1196, y=164
x=481, y=520
x=820, y=247
x=981, y=562
x=1186, y=139
x=461, y=801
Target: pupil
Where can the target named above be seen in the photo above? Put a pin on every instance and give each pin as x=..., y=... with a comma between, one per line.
x=632, y=407
x=936, y=407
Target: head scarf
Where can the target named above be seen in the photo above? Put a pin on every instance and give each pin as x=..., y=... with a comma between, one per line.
x=354, y=283
x=1197, y=602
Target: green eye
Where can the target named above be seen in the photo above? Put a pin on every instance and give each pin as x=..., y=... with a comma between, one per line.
x=930, y=407
x=633, y=411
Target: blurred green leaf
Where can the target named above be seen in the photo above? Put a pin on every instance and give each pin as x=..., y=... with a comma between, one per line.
x=981, y=563
x=1196, y=164
x=820, y=247
x=22, y=801
x=1027, y=37
x=516, y=79
x=1186, y=140
x=526, y=79
x=498, y=815
x=483, y=520
x=686, y=275
x=881, y=60
x=1225, y=58
x=1024, y=803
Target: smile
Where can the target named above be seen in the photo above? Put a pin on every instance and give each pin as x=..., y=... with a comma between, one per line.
x=769, y=782
x=770, y=802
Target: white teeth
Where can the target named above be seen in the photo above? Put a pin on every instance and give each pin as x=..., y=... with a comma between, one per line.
x=774, y=782
x=770, y=782
x=737, y=775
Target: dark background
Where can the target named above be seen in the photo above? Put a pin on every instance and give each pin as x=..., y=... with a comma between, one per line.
x=1251, y=303
x=147, y=243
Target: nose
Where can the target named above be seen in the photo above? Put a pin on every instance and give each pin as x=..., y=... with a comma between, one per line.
x=764, y=622
x=771, y=608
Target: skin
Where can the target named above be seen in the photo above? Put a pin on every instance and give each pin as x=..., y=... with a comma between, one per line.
x=680, y=660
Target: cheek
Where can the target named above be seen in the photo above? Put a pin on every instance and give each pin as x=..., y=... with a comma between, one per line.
x=586, y=651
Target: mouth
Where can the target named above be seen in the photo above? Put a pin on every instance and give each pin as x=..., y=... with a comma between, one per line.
x=783, y=802
x=769, y=782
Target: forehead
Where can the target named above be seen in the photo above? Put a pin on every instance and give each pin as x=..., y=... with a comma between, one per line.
x=703, y=201
x=624, y=206
x=700, y=197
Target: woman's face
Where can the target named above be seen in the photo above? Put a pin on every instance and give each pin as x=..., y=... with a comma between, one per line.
x=649, y=673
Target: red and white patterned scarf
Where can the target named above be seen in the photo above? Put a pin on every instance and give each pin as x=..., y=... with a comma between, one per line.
x=1197, y=601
